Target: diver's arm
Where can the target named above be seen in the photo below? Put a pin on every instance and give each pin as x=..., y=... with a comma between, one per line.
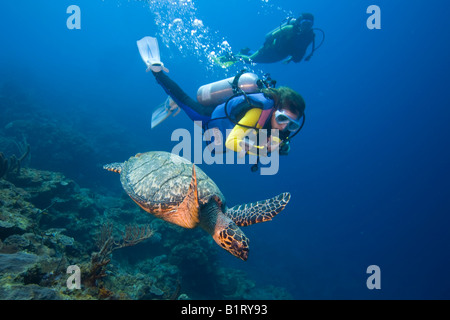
x=287, y=60
x=237, y=136
x=306, y=41
x=178, y=95
x=238, y=140
x=298, y=56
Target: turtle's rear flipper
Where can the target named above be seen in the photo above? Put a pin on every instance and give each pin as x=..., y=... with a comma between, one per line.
x=114, y=167
x=261, y=211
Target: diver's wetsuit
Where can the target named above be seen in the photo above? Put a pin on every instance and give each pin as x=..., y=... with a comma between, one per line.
x=287, y=43
x=195, y=110
x=284, y=42
x=198, y=112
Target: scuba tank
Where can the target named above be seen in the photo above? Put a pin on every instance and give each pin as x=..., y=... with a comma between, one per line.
x=285, y=22
x=216, y=93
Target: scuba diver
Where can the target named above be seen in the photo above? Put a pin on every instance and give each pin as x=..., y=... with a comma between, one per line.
x=287, y=42
x=232, y=108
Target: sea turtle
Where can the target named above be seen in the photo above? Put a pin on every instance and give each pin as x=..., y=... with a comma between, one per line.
x=175, y=190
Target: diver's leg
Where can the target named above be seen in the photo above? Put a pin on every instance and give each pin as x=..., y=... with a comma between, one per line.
x=244, y=58
x=246, y=51
x=195, y=110
x=249, y=56
x=258, y=56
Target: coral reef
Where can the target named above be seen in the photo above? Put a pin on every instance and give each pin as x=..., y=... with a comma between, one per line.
x=48, y=222
x=107, y=243
x=8, y=165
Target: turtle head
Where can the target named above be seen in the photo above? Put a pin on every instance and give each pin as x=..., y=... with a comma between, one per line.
x=232, y=239
x=228, y=235
x=223, y=230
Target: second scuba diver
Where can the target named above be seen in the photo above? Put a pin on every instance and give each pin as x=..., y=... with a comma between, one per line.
x=253, y=106
x=287, y=42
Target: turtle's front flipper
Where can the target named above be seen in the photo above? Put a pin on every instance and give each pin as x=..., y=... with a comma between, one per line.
x=250, y=213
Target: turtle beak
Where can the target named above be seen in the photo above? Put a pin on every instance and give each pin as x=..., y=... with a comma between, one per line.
x=240, y=250
x=237, y=245
x=232, y=239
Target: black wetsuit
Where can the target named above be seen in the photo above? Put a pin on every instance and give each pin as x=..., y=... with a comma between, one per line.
x=195, y=110
x=285, y=42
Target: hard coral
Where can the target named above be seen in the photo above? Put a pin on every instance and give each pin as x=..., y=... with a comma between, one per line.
x=12, y=163
x=107, y=243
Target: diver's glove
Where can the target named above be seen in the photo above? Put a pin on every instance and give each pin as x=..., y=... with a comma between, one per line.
x=248, y=146
x=285, y=147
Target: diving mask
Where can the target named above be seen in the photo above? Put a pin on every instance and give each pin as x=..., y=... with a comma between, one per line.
x=282, y=118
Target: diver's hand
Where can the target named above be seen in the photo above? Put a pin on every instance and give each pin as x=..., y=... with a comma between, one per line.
x=247, y=146
x=273, y=146
x=273, y=143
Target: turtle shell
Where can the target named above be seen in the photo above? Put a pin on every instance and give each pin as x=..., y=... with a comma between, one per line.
x=159, y=181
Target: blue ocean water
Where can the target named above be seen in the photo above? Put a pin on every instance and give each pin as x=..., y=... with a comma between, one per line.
x=368, y=174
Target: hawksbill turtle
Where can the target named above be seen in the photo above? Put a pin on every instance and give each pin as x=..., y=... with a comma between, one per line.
x=175, y=190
